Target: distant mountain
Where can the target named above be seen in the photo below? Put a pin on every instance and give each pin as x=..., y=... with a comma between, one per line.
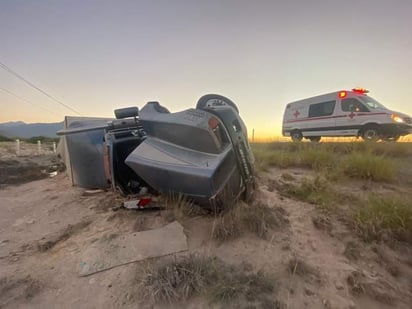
x=27, y=130
x=12, y=123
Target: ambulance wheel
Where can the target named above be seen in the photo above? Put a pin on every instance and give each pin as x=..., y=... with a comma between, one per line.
x=314, y=138
x=370, y=133
x=210, y=100
x=296, y=136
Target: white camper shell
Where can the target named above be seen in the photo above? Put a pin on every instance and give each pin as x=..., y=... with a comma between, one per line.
x=344, y=113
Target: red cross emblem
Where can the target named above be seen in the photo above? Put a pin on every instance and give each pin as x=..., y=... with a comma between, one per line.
x=351, y=115
x=296, y=114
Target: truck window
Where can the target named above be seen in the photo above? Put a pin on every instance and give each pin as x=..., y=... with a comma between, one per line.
x=322, y=109
x=353, y=105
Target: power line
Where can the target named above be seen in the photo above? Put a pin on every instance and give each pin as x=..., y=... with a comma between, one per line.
x=27, y=101
x=6, y=68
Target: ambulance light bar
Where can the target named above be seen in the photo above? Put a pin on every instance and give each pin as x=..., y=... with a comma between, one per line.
x=360, y=90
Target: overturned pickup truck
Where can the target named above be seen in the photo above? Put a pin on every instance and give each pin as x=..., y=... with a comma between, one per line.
x=202, y=153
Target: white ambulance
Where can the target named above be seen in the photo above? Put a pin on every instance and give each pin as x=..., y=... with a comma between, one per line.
x=344, y=113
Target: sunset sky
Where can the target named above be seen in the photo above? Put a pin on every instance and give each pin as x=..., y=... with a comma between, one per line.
x=96, y=56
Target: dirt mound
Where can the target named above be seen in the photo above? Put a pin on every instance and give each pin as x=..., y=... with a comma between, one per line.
x=19, y=170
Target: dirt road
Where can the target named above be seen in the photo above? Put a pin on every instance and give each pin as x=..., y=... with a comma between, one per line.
x=46, y=224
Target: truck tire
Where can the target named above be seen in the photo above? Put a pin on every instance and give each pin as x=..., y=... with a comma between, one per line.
x=370, y=133
x=219, y=100
x=296, y=136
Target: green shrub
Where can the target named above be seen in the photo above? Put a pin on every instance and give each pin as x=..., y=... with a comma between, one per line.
x=296, y=156
x=396, y=150
x=340, y=148
x=287, y=177
x=42, y=139
x=372, y=161
x=267, y=156
x=379, y=215
x=317, y=158
x=316, y=191
x=369, y=166
x=282, y=159
x=5, y=139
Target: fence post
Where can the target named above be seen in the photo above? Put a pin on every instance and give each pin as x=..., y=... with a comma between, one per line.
x=39, y=147
x=17, y=147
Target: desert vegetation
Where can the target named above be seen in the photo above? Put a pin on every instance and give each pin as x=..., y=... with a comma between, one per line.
x=329, y=226
x=4, y=138
x=378, y=161
x=42, y=139
x=347, y=180
x=179, y=279
x=257, y=218
x=359, y=185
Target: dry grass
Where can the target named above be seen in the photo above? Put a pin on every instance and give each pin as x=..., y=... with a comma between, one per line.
x=178, y=207
x=297, y=155
x=388, y=149
x=228, y=224
x=183, y=278
x=178, y=280
x=374, y=218
x=301, y=268
x=322, y=222
x=378, y=289
x=317, y=158
x=242, y=218
x=233, y=284
x=352, y=250
x=265, y=159
x=336, y=160
x=369, y=166
x=287, y=177
x=314, y=191
x=380, y=216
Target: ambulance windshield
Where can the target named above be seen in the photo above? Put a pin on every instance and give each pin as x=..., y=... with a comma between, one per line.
x=371, y=103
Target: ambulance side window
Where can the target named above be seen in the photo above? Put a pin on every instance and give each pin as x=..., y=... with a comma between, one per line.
x=353, y=105
x=322, y=109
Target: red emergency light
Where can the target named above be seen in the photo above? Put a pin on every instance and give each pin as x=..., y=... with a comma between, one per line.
x=360, y=90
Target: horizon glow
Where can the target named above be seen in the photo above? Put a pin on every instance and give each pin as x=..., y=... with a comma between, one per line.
x=97, y=56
